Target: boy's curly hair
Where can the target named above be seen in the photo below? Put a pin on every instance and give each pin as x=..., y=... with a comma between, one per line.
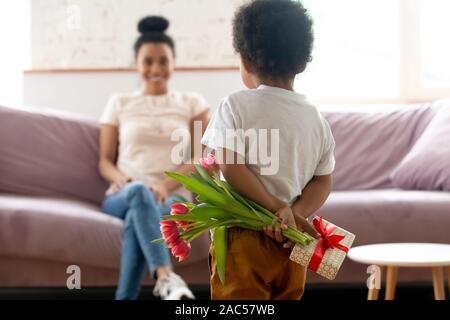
x=274, y=36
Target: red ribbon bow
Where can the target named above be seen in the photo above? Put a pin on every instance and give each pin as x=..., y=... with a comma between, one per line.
x=327, y=241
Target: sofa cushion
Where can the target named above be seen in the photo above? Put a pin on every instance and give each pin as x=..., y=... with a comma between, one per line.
x=369, y=145
x=49, y=155
x=427, y=165
x=59, y=230
x=64, y=230
x=390, y=215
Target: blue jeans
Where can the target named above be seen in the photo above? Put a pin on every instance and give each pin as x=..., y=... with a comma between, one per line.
x=136, y=205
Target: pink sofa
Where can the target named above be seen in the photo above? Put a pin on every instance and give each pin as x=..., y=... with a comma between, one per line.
x=50, y=193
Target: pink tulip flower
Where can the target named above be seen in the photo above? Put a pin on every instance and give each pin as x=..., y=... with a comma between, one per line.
x=209, y=163
x=169, y=231
x=181, y=249
x=179, y=208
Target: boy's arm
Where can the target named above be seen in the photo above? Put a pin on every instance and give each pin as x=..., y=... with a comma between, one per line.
x=313, y=196
x=249, y=185
x=245, y=181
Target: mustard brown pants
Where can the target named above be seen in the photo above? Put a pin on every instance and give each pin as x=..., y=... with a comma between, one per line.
x=257, y=268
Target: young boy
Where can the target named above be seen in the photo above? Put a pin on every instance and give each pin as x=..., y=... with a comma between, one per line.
x=274, y=39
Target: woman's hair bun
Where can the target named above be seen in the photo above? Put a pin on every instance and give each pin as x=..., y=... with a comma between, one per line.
x=153, y=24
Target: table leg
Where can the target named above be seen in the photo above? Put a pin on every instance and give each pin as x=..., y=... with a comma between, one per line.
x=391, y=282
x=438, y=283
x=374, y=292
x=448, y=279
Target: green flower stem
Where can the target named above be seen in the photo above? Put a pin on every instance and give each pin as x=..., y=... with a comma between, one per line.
x=194, y=233
x=243, y=212
x=297, y=236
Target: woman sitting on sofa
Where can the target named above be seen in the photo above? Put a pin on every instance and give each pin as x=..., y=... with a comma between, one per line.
x=135, y=151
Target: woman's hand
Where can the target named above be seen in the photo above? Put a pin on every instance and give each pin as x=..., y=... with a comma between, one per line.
x=120, y=182
x=160, y=191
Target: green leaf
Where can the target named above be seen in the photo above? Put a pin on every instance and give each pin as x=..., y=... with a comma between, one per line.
x=259, y=211
x=201, y=199
x=194, y=232
x=220, y=249
x=203, y=177
x=220, y=199
x=241, y=199
x=204, y=174
x=223, y=187
x=262, y=215
x=200, y=188
x=253, y=226
x=208, y=212
x=261, y=208
x=201, y=227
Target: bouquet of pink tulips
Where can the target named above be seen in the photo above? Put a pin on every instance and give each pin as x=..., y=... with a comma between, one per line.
x=219, y=207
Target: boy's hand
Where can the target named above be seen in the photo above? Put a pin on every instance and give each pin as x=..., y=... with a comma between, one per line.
x=287, y=219
x=305, y=226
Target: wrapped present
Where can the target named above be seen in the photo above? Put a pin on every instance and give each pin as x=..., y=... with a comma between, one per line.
x=325, y=255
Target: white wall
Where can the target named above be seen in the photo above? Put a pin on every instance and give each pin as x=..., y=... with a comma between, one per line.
x=87, y=92
x=14, y=48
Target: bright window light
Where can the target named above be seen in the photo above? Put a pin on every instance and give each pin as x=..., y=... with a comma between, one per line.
x=435, y=50
x=357, y=50
x=14, y=50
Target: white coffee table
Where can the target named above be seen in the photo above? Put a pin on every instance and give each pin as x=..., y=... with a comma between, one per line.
x=412, y=255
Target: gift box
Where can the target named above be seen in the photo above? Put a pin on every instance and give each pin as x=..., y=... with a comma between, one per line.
x=325, y=255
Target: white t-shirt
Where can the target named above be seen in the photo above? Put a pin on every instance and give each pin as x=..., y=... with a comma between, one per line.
x=146, y=124
x=299, y=144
